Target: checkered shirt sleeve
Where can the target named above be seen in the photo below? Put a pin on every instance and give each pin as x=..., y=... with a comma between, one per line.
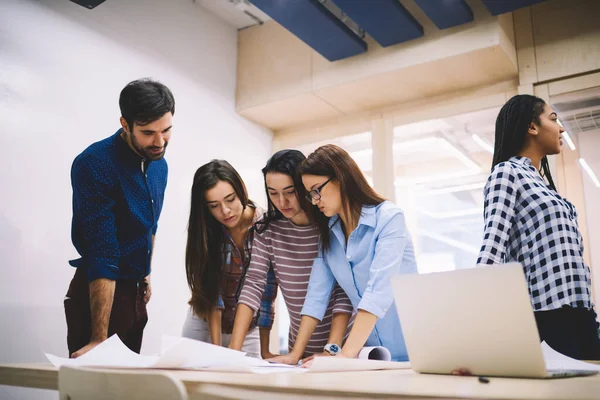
x=266, y=312
x=500, y=196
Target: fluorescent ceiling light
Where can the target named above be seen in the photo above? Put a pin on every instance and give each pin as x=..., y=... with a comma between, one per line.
x=445, y=147
x=452, y=214
x=566, y=136
x=401, y=182
x=585, y=166
x=363, y=158
x=435, y=142
x=453, y=189
x=568, y=139
x=483, y=144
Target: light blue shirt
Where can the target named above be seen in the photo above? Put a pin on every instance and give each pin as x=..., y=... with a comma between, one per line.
x=379, y=248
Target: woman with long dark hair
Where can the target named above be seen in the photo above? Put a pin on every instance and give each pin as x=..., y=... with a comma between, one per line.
x=217, y=256
x=527, y=221
x=287, y=240
x=364, y=242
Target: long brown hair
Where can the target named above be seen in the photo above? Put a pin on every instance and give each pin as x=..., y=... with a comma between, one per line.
x=204, y=250
x=335, y=163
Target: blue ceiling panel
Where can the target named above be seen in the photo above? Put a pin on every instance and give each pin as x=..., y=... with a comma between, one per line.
x=387, y=21
x=446, y=13
x=497, y=7
x=314, y=25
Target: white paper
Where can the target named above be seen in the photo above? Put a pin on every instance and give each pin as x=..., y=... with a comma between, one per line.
x=176, y=353
x=340, y=364
x=184, y=353
x=110, y=353
x=557, y=361
x=375, y=353
x=187, y=353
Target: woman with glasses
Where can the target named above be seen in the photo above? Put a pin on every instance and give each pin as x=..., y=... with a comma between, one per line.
x=527, y=221
x=364, y=242
x=217, y=256
x=287, y=240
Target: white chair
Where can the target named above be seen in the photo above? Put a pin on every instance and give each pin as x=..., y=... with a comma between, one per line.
x=103, y=384
x=211, y=391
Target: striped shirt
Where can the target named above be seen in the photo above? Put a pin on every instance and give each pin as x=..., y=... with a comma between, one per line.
x=290, y=250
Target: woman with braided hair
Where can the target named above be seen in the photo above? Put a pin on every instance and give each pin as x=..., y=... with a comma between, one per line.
x=527, y=221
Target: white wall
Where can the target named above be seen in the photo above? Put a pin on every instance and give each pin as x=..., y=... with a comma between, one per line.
x=61, y=70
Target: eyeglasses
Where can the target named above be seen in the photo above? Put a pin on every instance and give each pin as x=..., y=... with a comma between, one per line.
x=315, y=194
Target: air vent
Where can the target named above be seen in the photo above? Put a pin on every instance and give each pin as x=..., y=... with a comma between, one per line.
x=583, y=122
x=579, y=111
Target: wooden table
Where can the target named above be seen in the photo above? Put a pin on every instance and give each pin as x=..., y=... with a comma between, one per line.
x=368, y=384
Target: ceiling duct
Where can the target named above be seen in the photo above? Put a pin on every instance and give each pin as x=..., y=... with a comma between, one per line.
x=339, y=14
x=319, y=24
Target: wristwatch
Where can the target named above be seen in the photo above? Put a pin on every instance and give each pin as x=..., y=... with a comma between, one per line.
x=332, y=349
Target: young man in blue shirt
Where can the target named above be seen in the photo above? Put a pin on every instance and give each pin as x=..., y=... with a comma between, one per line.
x=118, y=191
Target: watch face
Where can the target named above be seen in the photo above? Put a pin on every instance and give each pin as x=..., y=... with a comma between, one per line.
x=334, y=348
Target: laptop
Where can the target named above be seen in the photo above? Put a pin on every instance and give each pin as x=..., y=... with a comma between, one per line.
x=475, y=321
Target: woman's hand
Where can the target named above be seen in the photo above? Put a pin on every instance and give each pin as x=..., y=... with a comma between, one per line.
x=289, y=359
x=268, y=355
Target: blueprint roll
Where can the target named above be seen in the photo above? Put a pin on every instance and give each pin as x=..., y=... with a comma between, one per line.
x=375, y=353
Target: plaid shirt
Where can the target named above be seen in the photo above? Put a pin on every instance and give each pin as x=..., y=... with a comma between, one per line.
x=528, y=222
x=235, y=264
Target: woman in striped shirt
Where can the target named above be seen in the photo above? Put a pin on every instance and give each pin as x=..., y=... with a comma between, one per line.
x=287, y=240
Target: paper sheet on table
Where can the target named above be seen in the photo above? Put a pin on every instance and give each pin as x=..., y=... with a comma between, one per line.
x=177, y=353
x=110, y=353
x=339, y=364
x=555, y=360
x=184, y=353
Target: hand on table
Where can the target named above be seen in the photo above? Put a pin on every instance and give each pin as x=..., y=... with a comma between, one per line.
x=289, y=359
x=86, y=348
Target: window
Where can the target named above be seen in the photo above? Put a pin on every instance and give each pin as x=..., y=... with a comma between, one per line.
x=358, y=146
x=441, y=167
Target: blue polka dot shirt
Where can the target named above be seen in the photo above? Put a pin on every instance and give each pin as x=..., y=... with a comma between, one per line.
x=117, y=200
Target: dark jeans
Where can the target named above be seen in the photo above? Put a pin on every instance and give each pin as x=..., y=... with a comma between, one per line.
x=127, y=318
x=570, y=331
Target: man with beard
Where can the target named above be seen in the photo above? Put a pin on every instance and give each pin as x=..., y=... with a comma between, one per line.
x=118, y=191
